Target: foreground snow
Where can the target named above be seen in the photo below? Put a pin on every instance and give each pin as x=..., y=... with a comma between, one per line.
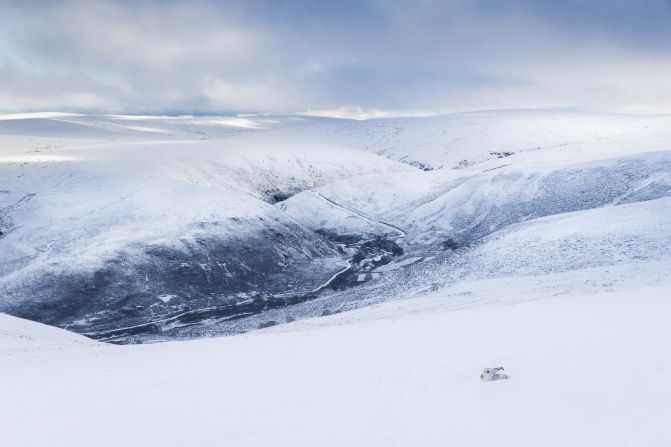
x=586, y=370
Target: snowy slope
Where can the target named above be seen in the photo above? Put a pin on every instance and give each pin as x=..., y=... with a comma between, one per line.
x=316, y=211
x=126, y=230
x=585, y=370
x=611, y=248
x=167, y=224
x=19, y=336
x=483, y=139
x=444, y=204
x=455, y=140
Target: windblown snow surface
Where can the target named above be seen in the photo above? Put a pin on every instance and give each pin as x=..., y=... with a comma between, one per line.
x=585, y=370
x=393, y=258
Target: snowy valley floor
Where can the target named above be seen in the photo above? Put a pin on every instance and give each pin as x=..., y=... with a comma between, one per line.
x=586, y=370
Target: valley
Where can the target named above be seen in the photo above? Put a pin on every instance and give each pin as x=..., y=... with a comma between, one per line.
x=144, y=229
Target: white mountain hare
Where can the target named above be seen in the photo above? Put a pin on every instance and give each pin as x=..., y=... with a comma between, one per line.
x=491, y=374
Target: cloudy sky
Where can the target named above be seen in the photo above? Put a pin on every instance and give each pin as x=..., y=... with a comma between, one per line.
x=340, y=57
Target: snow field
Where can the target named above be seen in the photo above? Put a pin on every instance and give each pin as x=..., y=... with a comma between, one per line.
x=585, y=370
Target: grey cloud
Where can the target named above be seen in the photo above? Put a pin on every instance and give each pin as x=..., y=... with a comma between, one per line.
x=293, y=56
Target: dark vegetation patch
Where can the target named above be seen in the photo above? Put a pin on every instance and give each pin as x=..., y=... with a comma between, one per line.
x=424, y=166
x=277, y=197
x=502, y=154
x=345, y=239
x=266, y=324
x=450, y=244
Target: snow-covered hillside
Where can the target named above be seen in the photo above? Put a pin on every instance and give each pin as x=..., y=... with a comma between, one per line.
x=484, y=139
x=585, y=370
x=582, y=252
x=147, y=228
x=126, y=230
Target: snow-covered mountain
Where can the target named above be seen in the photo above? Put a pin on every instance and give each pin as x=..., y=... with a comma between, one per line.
x=120, y=232
x=393, y=258
x=132, y=228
